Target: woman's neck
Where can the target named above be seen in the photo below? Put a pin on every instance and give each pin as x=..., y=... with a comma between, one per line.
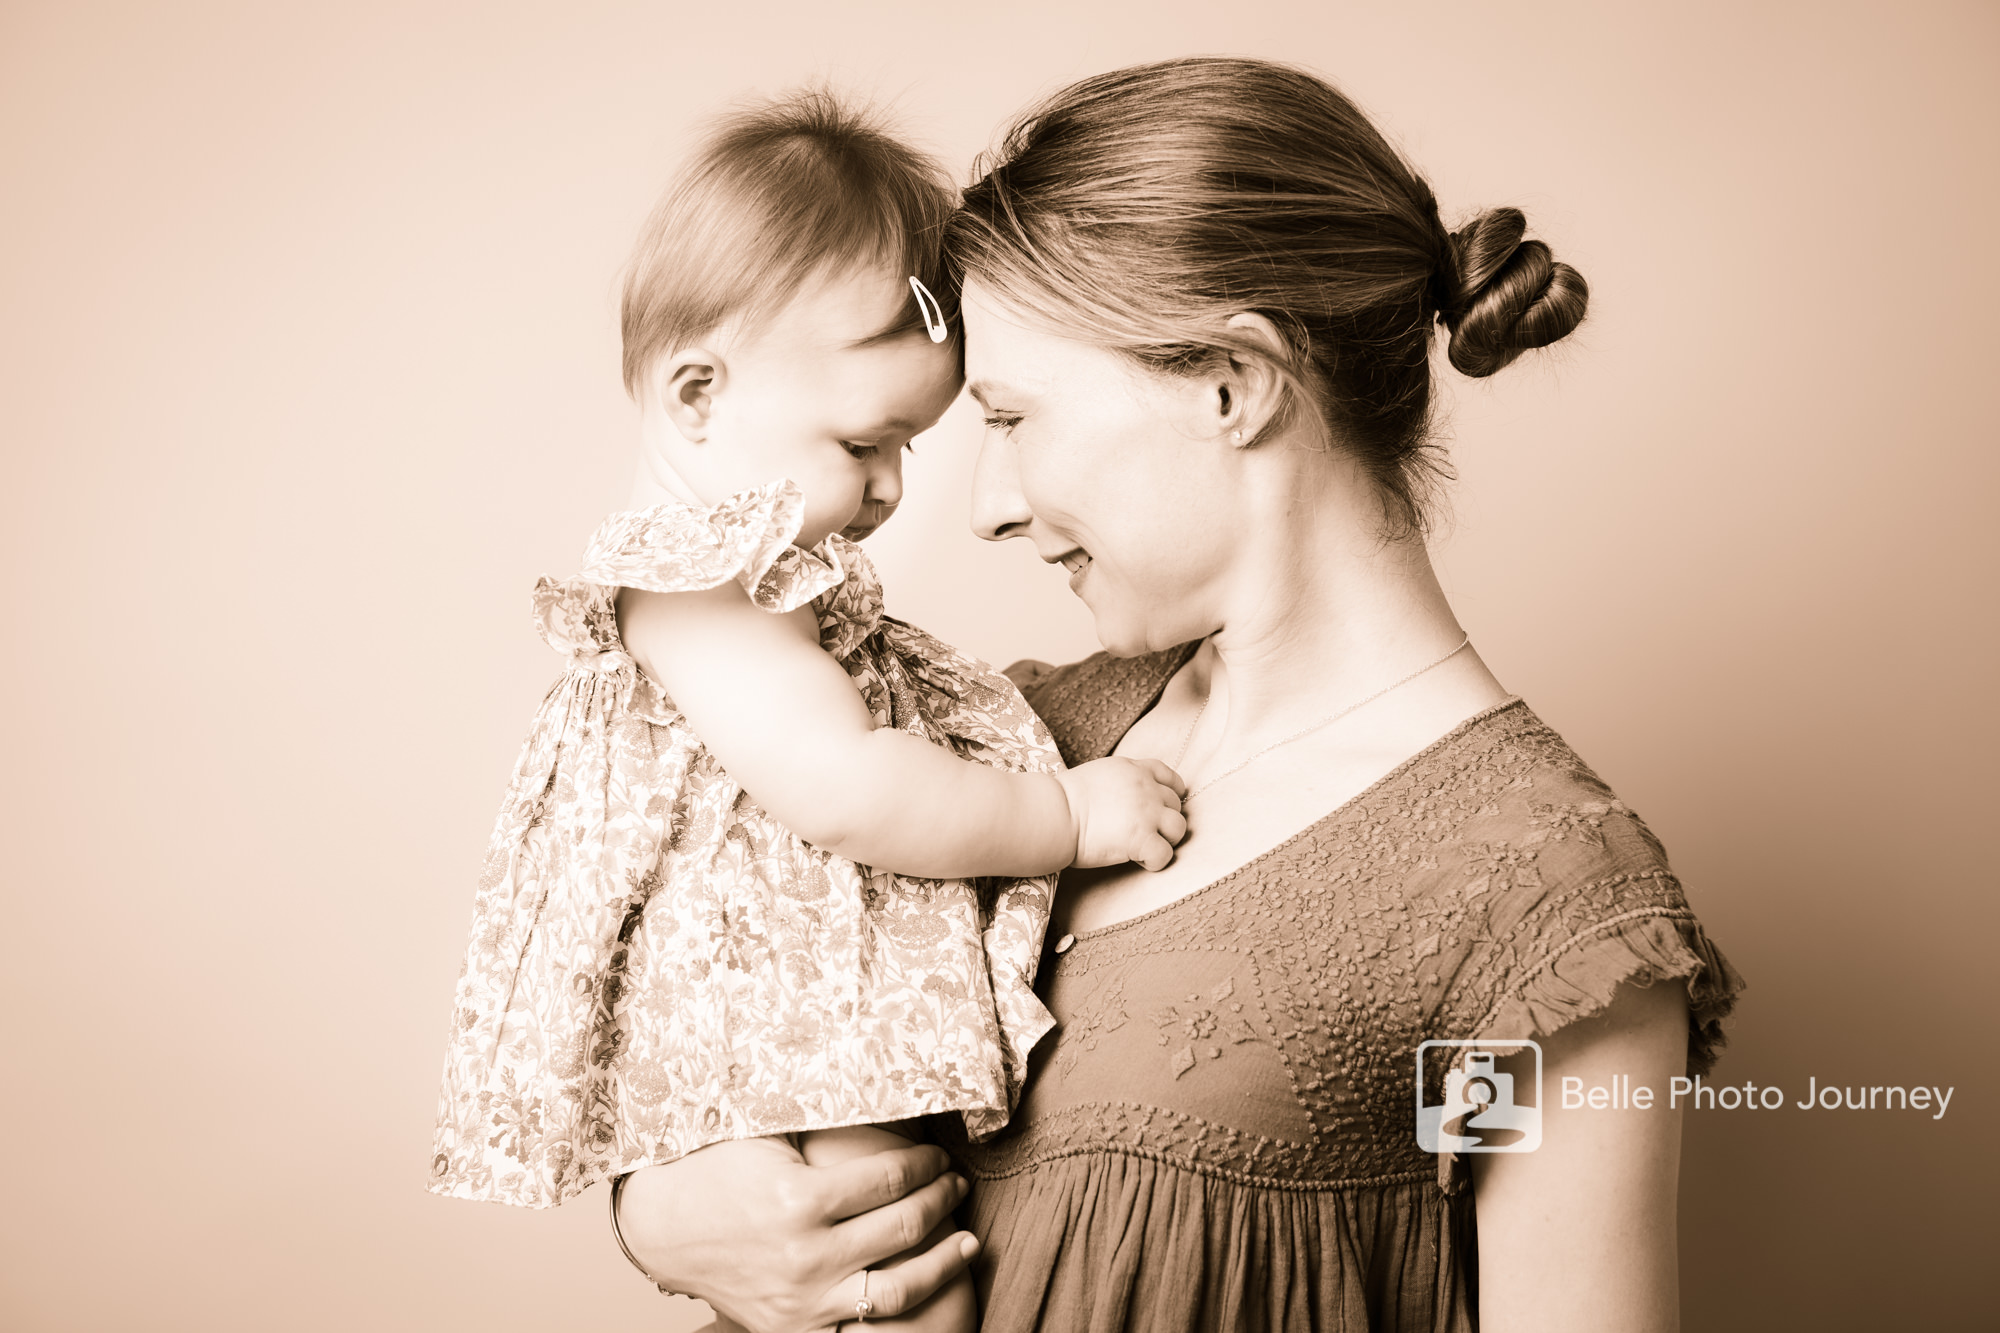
x=1322, y=612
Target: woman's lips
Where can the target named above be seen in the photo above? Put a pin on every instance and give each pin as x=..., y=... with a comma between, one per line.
x=1078, y=564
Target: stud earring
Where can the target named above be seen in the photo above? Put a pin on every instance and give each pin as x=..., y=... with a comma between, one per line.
x=1236, y=437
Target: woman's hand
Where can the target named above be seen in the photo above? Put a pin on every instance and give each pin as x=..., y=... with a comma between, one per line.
x=777, y=1245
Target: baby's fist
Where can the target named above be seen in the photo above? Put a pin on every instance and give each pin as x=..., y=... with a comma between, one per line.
x=1125, y=810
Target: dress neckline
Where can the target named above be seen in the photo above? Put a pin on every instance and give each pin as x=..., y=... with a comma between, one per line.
x=1395, y=774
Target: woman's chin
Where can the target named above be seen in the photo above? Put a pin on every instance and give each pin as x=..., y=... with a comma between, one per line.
x=1125, y=631
x=1119, y=636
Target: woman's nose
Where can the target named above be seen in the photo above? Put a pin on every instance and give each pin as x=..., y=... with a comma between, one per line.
x=999, y=510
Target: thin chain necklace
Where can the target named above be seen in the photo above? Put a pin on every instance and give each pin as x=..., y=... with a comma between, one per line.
x=1305, y=731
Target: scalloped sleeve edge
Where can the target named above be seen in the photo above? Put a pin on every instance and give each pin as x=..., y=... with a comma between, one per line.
x=1582, y=977
x=1643, y=947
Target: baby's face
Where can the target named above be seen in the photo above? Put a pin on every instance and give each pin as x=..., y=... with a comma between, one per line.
x=812, y=398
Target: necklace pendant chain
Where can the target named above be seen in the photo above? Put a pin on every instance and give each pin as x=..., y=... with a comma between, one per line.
x=1305, y=731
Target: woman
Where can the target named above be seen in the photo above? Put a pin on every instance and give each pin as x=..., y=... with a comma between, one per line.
x=1198, y=302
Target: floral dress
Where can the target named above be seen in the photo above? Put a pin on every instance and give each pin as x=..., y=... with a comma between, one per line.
x=656, y=964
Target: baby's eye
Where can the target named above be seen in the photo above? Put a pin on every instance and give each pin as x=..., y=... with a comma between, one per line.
x=862, y=450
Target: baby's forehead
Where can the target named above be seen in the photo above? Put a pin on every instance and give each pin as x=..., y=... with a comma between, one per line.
x=901, y=384
x=851, y=310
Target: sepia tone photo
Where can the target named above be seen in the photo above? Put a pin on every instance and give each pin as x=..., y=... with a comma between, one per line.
x=1059, y=667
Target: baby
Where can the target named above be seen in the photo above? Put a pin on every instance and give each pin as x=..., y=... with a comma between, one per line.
x=772, y=864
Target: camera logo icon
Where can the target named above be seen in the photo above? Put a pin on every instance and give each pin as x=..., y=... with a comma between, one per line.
x=1491, y=1096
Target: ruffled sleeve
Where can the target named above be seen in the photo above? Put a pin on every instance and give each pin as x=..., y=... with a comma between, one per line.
x=676, y=547
x=1561, y=895
x=1552, y=896
x=1570, y=949
x=1646, y=946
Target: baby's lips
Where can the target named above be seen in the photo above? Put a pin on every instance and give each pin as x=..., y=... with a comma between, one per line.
x=869, y=518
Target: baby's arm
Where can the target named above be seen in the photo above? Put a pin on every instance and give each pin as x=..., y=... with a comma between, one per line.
x=787, y=723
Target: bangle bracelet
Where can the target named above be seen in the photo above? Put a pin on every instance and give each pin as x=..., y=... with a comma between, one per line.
x=617, y=1191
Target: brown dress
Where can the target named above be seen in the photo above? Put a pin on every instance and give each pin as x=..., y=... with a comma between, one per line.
x=1221, y=1133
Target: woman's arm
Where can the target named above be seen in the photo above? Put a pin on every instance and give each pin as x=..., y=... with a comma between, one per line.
x=1579, y=1234
x=778, y=1246
x=787, y=723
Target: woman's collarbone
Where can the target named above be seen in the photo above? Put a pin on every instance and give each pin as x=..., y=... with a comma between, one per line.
x=1235, y=825
x=1229, y=831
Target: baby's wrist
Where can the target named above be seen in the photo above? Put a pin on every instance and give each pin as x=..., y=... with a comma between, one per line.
x=1072, y=809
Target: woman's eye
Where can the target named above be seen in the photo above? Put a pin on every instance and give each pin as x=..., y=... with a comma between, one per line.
x=858, y=450
x=1001, y=422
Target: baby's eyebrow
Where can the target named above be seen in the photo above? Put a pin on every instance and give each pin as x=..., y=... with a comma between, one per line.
x=886, y=427
x=896, y=328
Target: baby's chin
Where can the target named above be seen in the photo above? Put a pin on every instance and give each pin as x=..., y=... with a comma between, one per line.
x=812, y=535
x=855, y=531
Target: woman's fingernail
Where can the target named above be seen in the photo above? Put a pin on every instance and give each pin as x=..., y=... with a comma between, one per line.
x=968, y=1247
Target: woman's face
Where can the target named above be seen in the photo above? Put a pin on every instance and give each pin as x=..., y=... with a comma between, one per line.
x=1121, y=474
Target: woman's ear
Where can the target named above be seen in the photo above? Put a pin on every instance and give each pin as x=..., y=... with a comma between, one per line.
x=685, y=384
x=1248, y=389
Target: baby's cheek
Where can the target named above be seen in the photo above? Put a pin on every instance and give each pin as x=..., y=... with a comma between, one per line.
x=832, y=499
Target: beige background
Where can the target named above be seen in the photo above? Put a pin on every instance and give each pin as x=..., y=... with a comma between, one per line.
x=308, y=368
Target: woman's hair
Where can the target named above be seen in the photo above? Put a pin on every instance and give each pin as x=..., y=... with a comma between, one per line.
x=1142, y=208
x=778, y=194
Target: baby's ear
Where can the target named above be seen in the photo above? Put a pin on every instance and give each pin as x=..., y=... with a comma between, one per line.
x=684, y=384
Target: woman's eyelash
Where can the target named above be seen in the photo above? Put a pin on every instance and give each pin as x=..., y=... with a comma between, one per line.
x=1001, y=422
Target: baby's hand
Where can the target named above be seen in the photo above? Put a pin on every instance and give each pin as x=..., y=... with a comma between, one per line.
x=1125, y=810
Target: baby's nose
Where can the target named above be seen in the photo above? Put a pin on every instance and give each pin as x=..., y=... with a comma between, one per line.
x=885, y=481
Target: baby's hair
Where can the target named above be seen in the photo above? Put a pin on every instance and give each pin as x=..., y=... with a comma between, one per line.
x=778, y=194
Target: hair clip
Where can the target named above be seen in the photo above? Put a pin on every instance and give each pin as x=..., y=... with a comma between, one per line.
x=932, y=311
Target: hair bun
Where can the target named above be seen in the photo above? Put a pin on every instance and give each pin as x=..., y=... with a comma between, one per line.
x=1511, y=294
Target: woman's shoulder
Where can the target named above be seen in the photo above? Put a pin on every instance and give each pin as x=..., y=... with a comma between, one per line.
x=1525, y=787
x=1090, y=705
x=1513, y=822
x=1539, y=891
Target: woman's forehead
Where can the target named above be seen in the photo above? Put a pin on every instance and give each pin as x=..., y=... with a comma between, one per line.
x=1006, y=354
